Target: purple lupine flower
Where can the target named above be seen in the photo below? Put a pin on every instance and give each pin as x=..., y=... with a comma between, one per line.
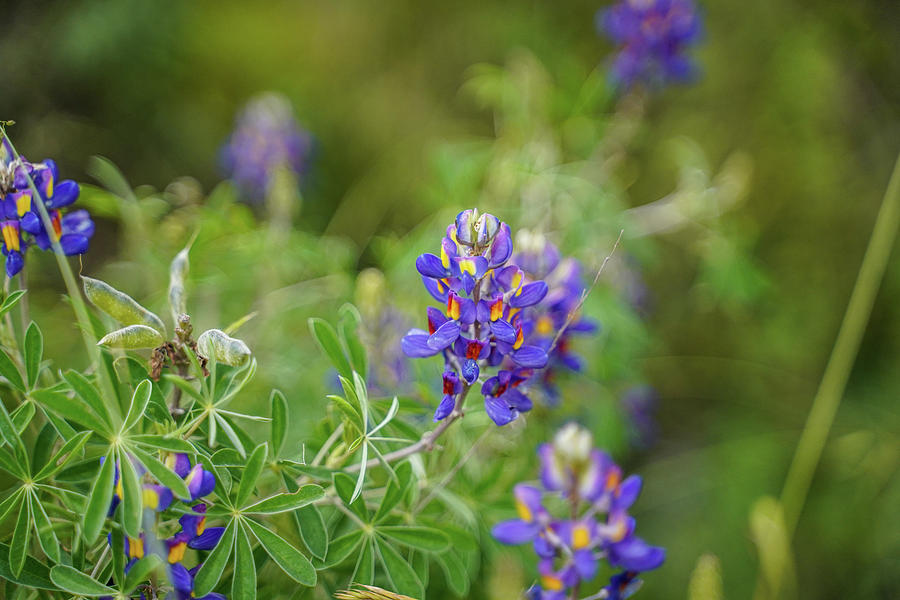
x=183, y=582
x=21, y=225
x=266, y=138
x=540, y=259
x=652, y=37
x=484, y=322
x=597, y=528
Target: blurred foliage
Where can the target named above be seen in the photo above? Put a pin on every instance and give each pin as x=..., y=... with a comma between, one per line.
x=791, y=133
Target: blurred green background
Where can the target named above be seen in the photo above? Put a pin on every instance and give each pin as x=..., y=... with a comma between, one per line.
x=808, y=93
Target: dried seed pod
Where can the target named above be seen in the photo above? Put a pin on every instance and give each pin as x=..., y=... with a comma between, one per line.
x=119, y=305
x=178, y=271
x=132, y=337
x=215, y=343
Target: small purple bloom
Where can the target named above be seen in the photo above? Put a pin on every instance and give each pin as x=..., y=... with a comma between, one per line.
x=266, y=137
x=652, y=37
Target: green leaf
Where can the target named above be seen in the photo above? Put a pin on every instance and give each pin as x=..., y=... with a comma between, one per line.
x=76, y=582
x=421, y=538
x=44, y=529
x=34, y=352
x=364, y=572
x=8, y=369
x=138, y=405
x=117, y=540
x=132, y=500
x=10, y=301
x=163, y=474
x=350, y=411
x=342, y=547
x=43, y=445
x=251, y=473
x=73, y=409
x=12, y=466
x=312, y=530
x=243, y=584
x=402, y=577
x=396, y=490
x=211, y=571
x=349, y=327
x=8, y=430
x=291, y=561
x=22, y=416
x=140, y=572
x=344, y=485
x=327, y=339
x=419, y=563
x=18, y=547
x=159, y=442
x=98, y=499
x=286, y=502
x=279, y=421
x=455, y=572
x=33, y=574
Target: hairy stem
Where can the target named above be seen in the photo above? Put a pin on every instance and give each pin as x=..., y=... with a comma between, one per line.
x=81, y=314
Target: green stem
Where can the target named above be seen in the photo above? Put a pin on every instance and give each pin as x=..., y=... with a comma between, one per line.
x=81, y=314
x=834, y=381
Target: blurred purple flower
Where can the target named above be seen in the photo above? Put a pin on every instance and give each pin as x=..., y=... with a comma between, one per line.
x=266, y=137
x=652, y=37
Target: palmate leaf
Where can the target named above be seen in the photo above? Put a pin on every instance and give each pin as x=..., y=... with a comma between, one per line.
x=132, y=497
x=44, y=529
x=18, y=547
x=349, y=330
x=291, y=561
x=33, y=573
x=342, y=547
x=345, y=486
x=364, y=572
x=9, y=370
x=251, y=473
x=328, y=340
x=74, y=581
x=279, y=421
x=88, y=393
x=162, y=473
x=138, y=405
x=280, y=503
x=98, y=499
x=243, y=583
x=211, y=571
x=421, y=538
x=34, y=352
x=398, y=571
x=139, y=572
x=454, y=572
x=395, y=491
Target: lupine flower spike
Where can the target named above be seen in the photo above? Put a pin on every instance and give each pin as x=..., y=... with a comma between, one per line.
x=483, y=322
x=540, y=259
x=597, y=529
x=266, y=137
x=653, y=37
x=20, y=222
